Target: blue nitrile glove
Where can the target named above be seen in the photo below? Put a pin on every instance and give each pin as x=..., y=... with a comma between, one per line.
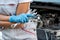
x=30, y=15
x=22, y=18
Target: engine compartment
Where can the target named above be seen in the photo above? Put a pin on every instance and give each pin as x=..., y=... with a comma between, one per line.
x=49, y=27
x=49, y=14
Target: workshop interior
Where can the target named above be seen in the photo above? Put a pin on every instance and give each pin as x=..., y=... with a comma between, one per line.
x=48, y=27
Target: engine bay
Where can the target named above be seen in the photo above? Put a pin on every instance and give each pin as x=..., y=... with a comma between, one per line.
x=49, y=14
x=49, y=24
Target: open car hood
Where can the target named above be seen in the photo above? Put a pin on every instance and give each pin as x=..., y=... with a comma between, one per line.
x=46, y=4
x=51, y=1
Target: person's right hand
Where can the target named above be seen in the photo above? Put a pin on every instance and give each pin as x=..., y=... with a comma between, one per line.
x=22, y=18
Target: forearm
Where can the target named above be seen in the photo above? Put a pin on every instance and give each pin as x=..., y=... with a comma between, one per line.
x=4, y=18
x=22, y=8
x=8, y=24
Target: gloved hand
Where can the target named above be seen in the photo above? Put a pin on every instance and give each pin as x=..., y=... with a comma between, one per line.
x=22, y=18
x=25, y=17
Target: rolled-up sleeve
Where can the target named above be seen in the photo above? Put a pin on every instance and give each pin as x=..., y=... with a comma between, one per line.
x=22, y=1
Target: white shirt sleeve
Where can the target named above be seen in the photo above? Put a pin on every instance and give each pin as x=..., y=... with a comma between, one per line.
x=22, y=1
